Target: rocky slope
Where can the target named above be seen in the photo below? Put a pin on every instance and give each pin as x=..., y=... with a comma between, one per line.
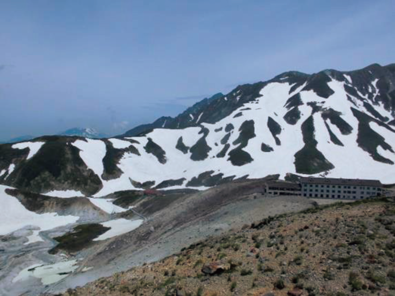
x=340, y=249
x=339, y=124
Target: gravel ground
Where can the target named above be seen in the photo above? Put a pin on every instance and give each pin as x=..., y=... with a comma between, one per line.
x=231, y=216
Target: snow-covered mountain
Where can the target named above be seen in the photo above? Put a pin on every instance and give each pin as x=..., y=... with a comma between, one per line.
x=88, y=132
x=333, y=123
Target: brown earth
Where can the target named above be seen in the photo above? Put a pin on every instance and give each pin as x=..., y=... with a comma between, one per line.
x=338, y=249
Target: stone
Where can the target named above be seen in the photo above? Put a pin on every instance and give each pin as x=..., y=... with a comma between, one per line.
x=213, y=268
x=295, y=292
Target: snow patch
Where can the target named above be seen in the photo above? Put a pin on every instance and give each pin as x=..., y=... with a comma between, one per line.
x=92, y=153
x=118, y=227
x=64, y=194
x=11, y=168
x=348, y=77
x=48, y=274
x=14, y=216
x=33, y=147
x=119, y=144
x=197, y=121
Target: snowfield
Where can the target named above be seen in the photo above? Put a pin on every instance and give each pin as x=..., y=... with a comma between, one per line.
x=14, y=216
x=350, y=160
x=270, y=154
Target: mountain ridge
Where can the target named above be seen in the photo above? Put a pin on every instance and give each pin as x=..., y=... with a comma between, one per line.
x=331, y=123
x=161, y=122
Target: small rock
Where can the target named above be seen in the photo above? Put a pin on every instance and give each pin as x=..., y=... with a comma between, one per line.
x=179, y=293
x=213, y=268
x=295, y=292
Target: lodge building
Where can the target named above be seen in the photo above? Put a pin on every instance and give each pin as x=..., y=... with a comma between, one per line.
x=331, y=188
x=340, y=188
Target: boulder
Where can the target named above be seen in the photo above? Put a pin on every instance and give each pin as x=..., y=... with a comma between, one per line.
x=213, y=268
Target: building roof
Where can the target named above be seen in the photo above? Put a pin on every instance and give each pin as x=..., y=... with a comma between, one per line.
x=339, y=181
x=283, y=184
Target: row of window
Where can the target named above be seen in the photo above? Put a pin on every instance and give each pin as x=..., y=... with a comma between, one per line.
x=328, y=196
x=339, y=186
x=340, y=191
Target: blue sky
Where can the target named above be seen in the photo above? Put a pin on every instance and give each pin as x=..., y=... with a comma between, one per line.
x=112, y=65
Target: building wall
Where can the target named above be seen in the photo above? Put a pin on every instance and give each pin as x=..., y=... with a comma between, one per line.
x=339, y=191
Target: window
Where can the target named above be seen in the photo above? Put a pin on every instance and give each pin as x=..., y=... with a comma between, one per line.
x=338, y=196
x=310, y=194
x=322, y=190
x=328, y=191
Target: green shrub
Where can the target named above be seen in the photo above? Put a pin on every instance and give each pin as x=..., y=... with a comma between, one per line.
x=279, y=284
x=245, y=272
x=233, y=286
x=354, y=281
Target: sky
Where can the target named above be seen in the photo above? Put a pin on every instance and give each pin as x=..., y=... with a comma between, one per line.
x=112, y=65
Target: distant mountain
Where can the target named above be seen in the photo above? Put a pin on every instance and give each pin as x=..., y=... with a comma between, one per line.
x=19, y=139
x=83, y=132
x=331, y=123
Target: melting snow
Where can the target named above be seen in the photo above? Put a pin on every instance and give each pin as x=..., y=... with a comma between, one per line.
x=48, y=274
x=118, y=227
x=14, y=216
